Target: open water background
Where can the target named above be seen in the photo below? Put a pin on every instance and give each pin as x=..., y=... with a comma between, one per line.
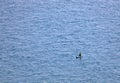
x=40, y=39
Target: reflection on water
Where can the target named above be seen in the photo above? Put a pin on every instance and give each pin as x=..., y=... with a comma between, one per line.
x=39, y=41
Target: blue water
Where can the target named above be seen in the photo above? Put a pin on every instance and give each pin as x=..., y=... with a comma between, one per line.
x=40, y=39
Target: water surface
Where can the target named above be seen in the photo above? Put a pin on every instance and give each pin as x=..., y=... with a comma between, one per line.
x=40, y=39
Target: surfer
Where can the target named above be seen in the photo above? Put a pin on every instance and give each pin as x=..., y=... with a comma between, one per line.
x=79, y=56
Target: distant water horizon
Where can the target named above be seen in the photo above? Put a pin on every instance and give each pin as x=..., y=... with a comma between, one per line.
x=40, y=39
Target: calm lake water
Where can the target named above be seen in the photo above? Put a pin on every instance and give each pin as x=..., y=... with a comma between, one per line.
x=40, y=39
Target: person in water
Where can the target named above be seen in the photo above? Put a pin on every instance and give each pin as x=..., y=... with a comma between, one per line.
x=79, y=56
